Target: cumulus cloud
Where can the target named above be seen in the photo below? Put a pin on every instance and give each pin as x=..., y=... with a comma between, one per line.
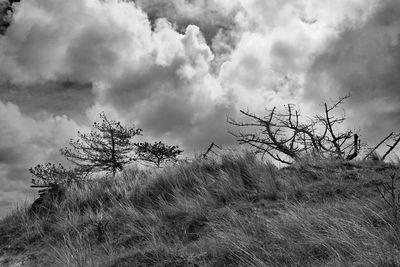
x=364, y=61
x=173, y=92
x=73, y=40
x=216, y=19
x=137, y=71
x=25, y=142
x=210, y=16
x=26, y=138
x=280, y=42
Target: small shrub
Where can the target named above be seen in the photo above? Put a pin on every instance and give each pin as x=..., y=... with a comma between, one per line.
x=390, y=193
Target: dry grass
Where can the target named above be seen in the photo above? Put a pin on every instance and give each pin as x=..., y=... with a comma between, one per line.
x=229, y=211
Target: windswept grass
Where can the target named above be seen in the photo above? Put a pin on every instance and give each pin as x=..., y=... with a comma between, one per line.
x=234, y=210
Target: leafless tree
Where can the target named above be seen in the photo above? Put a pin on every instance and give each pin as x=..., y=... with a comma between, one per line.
x=285, y=137
x=393, y=146
x=372, y=152
x=210, y=150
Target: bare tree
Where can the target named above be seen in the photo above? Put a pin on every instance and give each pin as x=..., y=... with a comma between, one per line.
x=393, y=146
x=372, y=152
x=210, y=149
x=107, y=148
x=285, y=137
x=157, y=153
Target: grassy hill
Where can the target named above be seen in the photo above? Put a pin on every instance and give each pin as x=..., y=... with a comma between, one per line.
x=229, y=211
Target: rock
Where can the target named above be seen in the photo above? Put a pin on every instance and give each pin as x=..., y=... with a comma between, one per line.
x=47, y=200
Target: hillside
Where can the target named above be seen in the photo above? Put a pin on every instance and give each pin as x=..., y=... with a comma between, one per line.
x=229, y=211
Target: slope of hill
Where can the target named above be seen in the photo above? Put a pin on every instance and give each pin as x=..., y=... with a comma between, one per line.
x=229, y=211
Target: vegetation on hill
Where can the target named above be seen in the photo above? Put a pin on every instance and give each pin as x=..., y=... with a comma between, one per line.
x=325, y=208
x=232, y=210
x=286, y=136
x=108, y=147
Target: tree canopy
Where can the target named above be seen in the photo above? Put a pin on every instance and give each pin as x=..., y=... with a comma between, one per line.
x=106, y=148
x=157, y=153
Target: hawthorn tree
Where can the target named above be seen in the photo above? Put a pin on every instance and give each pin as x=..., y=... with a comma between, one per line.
x=157, y=153
x=106, y=148
x=285, y=137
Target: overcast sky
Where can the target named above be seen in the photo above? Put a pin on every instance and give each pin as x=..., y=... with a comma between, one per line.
x=176, y=69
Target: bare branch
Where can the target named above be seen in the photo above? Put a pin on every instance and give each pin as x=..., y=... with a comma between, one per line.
x=378, y=145
x=281, y=133
x=391, y=148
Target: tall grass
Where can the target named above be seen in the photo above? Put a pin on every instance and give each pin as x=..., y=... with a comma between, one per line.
x=233, y=210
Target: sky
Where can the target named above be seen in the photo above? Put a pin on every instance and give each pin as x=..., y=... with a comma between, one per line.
x=177, y=69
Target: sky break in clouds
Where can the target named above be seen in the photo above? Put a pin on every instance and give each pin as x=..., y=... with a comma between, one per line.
x=176, y=69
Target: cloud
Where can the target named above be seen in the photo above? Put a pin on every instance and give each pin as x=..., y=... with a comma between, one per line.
x=216, y=20
x=73, y=41
x=150, y=65
x=364, y=61
x=25, y=142
x=279, y=44
x=53, y=97
x=160, y=77
x=29, y=140
x=209, y=15
x=172, y=93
